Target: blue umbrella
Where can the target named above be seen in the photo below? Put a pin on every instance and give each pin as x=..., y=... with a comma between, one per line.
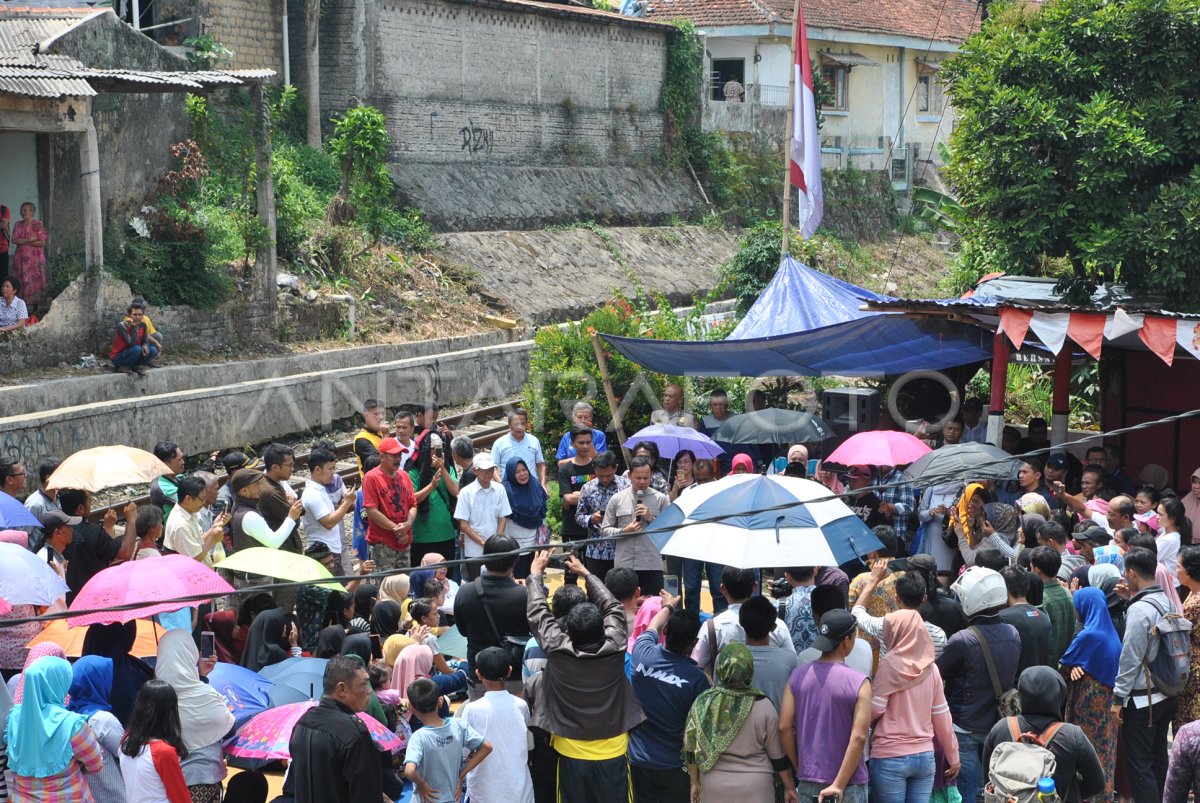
x=305, y=675
x=672, y=440
x=14, y=514
x=750, y=521
x=248, y=693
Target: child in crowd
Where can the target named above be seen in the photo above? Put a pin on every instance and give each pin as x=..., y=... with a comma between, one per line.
x=152, y=747
x=424, y=612
x=503, y=720
x=434, y=759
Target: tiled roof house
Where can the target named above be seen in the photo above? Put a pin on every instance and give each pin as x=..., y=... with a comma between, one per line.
x=882, y=58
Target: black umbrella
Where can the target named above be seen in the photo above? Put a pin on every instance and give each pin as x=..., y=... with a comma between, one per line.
x=964, y=461
x=774, y=425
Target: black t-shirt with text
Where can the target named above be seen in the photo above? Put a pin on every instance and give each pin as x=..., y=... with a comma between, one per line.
x=571, y=478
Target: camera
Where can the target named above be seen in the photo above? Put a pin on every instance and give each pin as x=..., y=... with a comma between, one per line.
x=780, y=588
x=558, y=561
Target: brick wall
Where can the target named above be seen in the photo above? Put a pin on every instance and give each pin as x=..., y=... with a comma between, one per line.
x=252, y=29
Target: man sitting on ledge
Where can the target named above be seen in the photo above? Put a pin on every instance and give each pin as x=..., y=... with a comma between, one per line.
x=131, y=349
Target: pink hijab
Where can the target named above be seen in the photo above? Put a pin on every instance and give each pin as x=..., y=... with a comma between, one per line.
x=909, y=656
x=641, y=622
x=743, y=460
x=14, y=537
x=415, y=662
x=36, y=652
x=1163, y=578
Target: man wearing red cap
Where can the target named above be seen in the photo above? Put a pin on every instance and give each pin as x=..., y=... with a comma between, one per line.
x=391, y=507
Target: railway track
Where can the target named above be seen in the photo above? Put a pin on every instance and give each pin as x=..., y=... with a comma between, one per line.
x=479, y=423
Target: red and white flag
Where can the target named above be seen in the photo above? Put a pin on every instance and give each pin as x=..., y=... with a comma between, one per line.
x=806, y=144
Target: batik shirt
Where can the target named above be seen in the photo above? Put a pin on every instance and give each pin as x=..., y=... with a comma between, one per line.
x=593, y=498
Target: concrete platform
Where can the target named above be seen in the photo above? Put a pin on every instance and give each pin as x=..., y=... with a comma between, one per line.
x=204, y=407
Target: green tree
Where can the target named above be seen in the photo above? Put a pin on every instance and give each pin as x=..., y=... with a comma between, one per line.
x=1077, y=150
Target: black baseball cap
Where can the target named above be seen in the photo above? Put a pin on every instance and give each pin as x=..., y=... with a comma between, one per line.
x=835, y=626
x=1097, y=535
x=54, y=519
x=492, y=664
x=1058, y=461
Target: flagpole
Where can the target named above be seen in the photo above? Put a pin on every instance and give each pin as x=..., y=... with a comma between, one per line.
x=787, y=135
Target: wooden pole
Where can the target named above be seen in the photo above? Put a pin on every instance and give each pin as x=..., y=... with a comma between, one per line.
x=787, y=136
x=608, y=392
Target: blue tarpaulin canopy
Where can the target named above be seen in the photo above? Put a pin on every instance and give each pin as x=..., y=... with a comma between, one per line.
x=808, y=323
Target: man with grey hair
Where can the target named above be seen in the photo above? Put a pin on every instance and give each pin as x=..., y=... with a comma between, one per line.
x=672, y=411
x=581, y=414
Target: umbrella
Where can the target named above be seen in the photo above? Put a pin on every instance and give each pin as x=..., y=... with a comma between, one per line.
x=879, y=448
x=15, y=514
x=672, y=440
x=106, y=467
x=305, y=675
x=71, y=638
x=773, y=425
x=810, y=527
x=26, y=579
x=248, y=693
x=279, y=564
x=266, y=736
x=965, y=461
x=144, y=584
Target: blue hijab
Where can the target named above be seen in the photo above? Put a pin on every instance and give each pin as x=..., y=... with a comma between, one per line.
x=92, y=679
x=1096, y=647
x=40, y=729
x=528, y=501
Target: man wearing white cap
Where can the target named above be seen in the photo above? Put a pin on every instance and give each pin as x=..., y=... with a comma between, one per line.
x=481, y=511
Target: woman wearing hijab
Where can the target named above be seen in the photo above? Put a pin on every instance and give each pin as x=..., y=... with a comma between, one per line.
x=203, y=715
x=1078, y=774
x=966, y=517
x=393, y=647
x=997, y=529
x=1191, y=500
x=385, y=619
x=731, y=740
x=129, y=673
x=528, y=499
x=272, y=638
x=49, y=747
x=364, y=602
x=16, y=685
x=1091, y=664
x=91, y=679
x=230, y=627
x=358, y=644
x=330, y=641
x=394, y=588
x=909, y=707
x=741, y=463
x=1189, y=576
x=934, y=514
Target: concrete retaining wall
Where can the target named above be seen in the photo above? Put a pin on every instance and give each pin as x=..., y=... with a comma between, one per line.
x=233, y=412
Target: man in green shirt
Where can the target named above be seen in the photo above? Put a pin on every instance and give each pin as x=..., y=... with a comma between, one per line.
x=1056, y=601
x=433, y=529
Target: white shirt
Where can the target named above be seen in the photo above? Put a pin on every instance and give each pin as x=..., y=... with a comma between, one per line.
x=255, y=526
x=859, y=658
x=728, y=629
x=482, y=508
x=503, y=720
x=319, y=503
x=1168, y=553
x=507, y=447
x=183, y=534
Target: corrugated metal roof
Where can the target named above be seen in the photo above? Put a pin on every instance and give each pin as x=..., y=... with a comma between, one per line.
x=32, y=84
x=20, y=35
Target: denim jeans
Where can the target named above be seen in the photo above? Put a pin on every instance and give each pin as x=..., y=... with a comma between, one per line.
x=132, y=357
x=973, y=773
x=902, y=779
x=693, y=575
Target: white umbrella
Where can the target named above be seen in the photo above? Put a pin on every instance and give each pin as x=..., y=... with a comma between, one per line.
x=26, y=579
x=750, y=521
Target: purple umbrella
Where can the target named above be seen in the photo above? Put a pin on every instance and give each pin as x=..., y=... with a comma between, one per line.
x=15, y=514
x=672, y=440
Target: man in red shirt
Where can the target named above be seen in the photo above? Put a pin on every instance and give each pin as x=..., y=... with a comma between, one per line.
x=391, y=507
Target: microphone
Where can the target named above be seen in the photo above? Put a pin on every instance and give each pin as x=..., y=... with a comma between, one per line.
x=640, y=496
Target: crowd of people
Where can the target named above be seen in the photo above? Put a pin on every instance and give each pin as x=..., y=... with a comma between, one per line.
x=1051, y=613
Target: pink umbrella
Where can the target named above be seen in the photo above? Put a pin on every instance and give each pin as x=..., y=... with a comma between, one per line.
x=144, y=583
x=878, y=448
x=266, y=735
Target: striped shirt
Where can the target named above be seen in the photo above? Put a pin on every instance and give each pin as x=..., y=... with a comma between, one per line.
x=69, y=785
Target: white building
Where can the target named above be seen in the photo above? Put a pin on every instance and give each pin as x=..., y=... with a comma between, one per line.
x=882, y=58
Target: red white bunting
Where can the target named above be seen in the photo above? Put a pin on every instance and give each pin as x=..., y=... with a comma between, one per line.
x=1089, y=330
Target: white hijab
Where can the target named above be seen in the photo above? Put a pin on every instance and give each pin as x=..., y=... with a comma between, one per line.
x=203, y=715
